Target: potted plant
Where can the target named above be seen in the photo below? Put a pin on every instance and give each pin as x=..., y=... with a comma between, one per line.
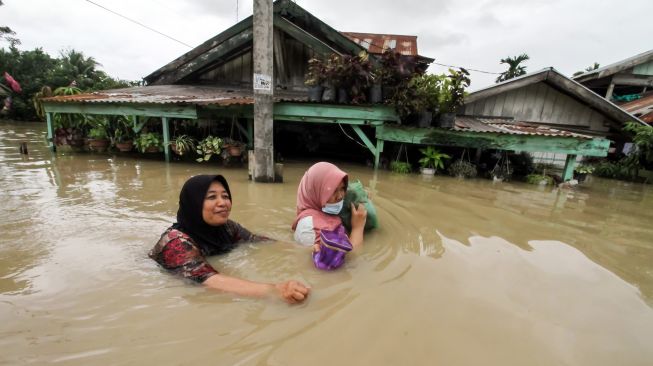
x=452, y=96
x=462, y=169
x=314, y=79
x=581, y=171
x=431, y=160
x=425, y=101
x=150, y=142
x=123, y=135
x=98, y=135
x=182, y=144
x=208, y=147
x=400, y=167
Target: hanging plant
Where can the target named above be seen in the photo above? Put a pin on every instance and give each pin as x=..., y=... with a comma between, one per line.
x=208, y=147
x=463, y=168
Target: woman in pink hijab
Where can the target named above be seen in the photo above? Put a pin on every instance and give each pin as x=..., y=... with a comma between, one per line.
x=320, y=198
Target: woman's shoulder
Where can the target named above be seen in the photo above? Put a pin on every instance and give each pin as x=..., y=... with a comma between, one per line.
x=173, y=233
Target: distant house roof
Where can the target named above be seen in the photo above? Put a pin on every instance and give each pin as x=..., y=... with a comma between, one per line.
x=641, y=108
x=561, y=82
x=510, y=126
x=378, y=43
x=175, y=94
x=615, y=67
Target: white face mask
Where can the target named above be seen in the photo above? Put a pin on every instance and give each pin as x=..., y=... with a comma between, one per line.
x=333, y=208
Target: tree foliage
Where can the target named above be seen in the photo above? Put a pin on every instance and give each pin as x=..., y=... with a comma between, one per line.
x=36, y=70
x=588, y=69
x=514, y=67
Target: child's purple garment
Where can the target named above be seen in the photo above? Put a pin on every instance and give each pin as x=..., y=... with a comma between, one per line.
x=333, y=247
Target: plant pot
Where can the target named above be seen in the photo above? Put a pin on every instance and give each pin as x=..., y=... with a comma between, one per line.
x=125, y=146
x=580, y=177
x=329, y=94
x=315, y=93
x=235, y=150
x=427, y=171
x=388, y=92
x=152, y=149
x=424, y=119
x=98, y=145
x=375, y=94
x=447, y=120
x=343, y=96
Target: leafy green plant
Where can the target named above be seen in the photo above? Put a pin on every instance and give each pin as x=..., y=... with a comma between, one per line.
x=182, y=144
x=97, y=133
x=428, y=89
x=432, y=158
x=643, y=138
x=316, y=74
x=453, y=93
x=463, y=169
x=584, y=169
x=123, y=131
x=400, y=167
x=539, y=179
x=208, y=147
x=148, y=140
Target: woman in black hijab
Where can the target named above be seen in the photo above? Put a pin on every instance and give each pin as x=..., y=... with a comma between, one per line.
x=203, y=229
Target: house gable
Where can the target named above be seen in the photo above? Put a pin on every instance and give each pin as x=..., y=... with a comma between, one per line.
x=231, y=49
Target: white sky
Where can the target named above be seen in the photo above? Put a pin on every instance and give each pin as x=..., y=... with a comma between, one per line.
x=566, y=34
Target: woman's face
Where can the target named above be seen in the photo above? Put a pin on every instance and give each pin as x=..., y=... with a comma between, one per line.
x=339, y=193
x=217, y=205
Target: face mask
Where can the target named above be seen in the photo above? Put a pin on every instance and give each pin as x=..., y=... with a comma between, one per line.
x=333, y=208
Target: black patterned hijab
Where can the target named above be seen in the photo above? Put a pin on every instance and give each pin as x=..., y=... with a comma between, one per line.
x=210, y=239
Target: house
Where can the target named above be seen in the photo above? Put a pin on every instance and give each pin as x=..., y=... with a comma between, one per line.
x=626, y=77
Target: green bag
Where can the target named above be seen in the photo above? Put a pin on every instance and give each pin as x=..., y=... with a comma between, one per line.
x=356, y=194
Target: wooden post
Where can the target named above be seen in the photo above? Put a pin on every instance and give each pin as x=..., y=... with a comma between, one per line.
x=50, y=138
x=166, y=138
x=263, y=92
x=608, y=95
x=568, y=171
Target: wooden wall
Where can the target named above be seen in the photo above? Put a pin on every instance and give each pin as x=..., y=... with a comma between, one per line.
x=292, y=54
x=539, y=103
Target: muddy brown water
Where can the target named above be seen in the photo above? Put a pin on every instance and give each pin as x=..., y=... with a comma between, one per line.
x=460, y=272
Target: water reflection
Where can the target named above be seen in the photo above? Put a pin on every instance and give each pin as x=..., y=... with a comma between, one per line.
x=460, y=272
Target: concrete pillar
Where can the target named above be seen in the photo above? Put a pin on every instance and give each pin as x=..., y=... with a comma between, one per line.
x=166, y=137
x=263, y=92
x=51, y=144
x=570, y=163
x=608, y=95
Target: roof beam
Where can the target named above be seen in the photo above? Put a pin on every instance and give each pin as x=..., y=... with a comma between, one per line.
x=633, y=80
x=302, y=36
x=489, y=140
x=148, y=110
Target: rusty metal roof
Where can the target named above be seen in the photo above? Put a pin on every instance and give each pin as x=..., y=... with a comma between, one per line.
x=377, y=43
x=641, y=108
x=175, y=94
x=510, y=127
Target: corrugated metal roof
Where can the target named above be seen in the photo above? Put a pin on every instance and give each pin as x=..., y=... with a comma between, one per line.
x=175, y=94
x=510, y=127
x=377, y=43
x=641, y=108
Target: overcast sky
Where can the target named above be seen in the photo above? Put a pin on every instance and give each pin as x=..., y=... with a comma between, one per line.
x=566, y=34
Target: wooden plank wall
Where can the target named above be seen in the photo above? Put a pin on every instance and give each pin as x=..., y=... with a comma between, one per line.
x=644, y=69
x=238, y=71
x=539, y=103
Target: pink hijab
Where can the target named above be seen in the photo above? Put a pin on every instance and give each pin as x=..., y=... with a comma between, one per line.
x=315, y=189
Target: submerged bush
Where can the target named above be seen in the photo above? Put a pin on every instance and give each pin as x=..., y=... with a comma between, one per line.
x=539, y=179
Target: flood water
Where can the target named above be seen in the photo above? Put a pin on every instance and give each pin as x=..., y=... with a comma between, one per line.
x=460, y=272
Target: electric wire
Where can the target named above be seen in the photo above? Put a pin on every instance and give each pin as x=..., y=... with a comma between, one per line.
x=139, y=23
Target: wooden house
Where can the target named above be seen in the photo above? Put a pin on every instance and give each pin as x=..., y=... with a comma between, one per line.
x=626, y=77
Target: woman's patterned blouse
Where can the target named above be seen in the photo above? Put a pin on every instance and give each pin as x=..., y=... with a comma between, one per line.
x=178, y=253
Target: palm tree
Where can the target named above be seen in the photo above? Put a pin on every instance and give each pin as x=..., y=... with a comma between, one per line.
x=514, y=69
x=76, y=67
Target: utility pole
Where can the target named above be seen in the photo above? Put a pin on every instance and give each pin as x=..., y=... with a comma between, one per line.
x=263, y=92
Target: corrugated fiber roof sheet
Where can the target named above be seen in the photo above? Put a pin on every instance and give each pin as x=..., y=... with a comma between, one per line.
x=509, y=126
x=175, y=94
x=641, y=108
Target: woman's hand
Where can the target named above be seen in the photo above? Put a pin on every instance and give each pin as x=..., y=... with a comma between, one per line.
x=358, y=216
x=292, y=292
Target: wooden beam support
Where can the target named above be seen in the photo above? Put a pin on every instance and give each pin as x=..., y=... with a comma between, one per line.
x=633, y=80
x=50, y=138
x=568, y=171
x=487, y=140
x=166, y=137
x=299, y=34
x=306, y=111
x=121, y=109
